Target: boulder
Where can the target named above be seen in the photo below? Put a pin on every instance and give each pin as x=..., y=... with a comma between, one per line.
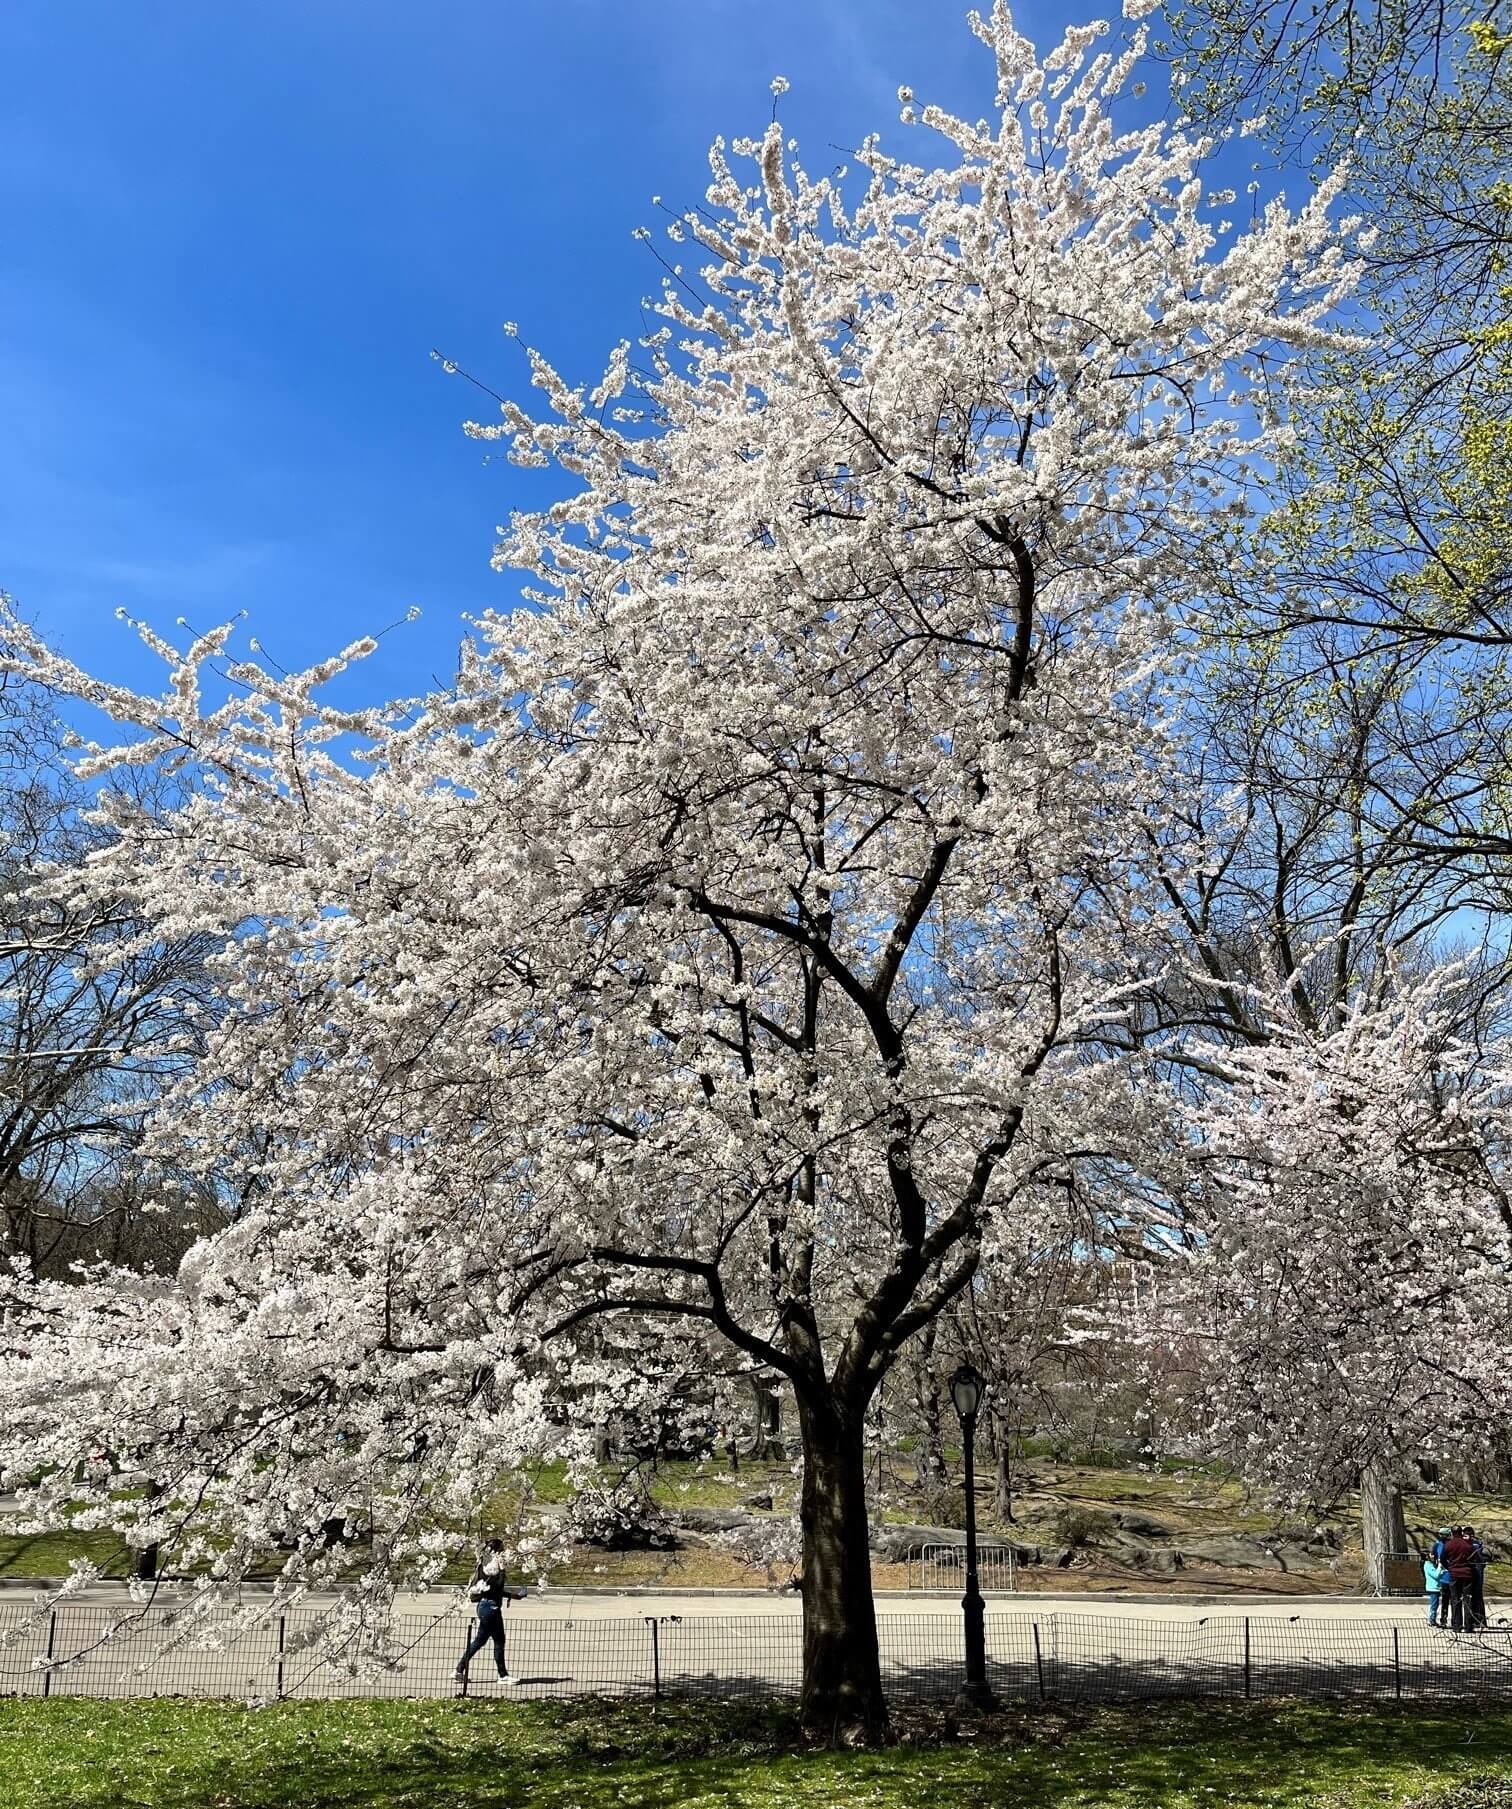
x=1161, y=1559
x=761, y=1502
x=714, y=1519
x=1237, y=1551
x=629, y=1535
x=1316, y=1539
x=1143, y=1526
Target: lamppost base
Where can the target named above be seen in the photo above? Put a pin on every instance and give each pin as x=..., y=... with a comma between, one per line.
x=976, y=1694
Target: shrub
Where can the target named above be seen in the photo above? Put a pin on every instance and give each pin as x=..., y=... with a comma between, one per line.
x=942, y=1504
x=1075, y=1525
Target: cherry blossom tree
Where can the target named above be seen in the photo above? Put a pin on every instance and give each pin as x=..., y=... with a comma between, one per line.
x=741, y=941
x=1349, y=1302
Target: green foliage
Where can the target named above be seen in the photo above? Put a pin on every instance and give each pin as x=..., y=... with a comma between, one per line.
x=1395, y=511
x=1355, y=666
x=70, y=1754
x=1322, y=71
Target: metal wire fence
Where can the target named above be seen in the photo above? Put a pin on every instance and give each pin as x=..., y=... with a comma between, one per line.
x=1054, y=1656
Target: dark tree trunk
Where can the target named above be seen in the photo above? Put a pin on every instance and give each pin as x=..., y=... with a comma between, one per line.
x=1382, y=1522
x=842, y=1671
x=766, y=1429
x=771, y=1416
x=146, y=1566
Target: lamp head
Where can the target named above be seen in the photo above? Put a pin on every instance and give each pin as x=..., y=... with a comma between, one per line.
x=966, y=1391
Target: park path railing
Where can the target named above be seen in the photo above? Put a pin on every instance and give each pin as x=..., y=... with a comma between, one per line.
x=1051, y=1656
x=944, y=1567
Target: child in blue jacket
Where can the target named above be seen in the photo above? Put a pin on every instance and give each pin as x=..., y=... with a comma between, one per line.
x=1438, y=1583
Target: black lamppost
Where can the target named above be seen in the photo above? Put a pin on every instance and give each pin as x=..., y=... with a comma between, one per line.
x=966, y=1391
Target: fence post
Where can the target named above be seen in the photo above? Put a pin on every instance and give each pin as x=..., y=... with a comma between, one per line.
x=655, y=1658
x=52, y=1636
x=1246, y=1659
x=1039, y=1663
x=1396, y=1661
x=281, y=1621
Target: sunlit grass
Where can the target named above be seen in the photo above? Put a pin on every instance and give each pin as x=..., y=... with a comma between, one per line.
x=73, y=1754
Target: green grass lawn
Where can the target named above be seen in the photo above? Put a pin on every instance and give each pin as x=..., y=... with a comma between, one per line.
x=715, y=1484
x=405, y=1755
x=50, y=1554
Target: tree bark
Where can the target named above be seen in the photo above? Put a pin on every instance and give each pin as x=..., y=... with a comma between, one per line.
x=842, y=1670
x=1002, y=1493
x=930, y=1462
x=766, y=1427
x=929, y=1457
x=1382, y=1521
x=146, y=1566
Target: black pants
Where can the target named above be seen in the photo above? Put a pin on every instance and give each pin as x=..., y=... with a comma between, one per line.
x=1478, y=1599
x=490, y=1627
x=1461, y=1605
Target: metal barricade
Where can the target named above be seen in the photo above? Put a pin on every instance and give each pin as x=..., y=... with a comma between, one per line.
x=944, y=1567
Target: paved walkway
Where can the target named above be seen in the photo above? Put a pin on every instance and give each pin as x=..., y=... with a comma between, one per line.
x=564, y=1602
x=565, y=1644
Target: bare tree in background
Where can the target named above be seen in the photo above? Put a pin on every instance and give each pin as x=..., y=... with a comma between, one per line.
x=88, y=1034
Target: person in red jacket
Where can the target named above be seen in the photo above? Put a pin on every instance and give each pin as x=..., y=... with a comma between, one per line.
x=1458, y=1560
x=1478, y=1562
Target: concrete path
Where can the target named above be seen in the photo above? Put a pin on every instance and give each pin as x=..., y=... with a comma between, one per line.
x=563, y=1602
x=561, y=1644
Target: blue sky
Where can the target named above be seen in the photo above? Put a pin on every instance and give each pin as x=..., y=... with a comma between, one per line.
x=232, y=235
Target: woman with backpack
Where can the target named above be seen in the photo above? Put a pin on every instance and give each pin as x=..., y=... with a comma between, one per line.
x=489, y=1590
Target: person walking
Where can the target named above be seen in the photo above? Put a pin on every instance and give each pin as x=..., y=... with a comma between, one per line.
x=490, y=1591
x=1458, y=1554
